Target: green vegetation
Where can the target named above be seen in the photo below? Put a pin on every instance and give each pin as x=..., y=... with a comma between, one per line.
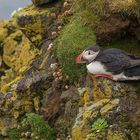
x=74, y=38
x=128, y=45
x=34, y=127
x=14, y=134
x=99, y=125
x=96, y=7
x=38, y=127
x=89, y=12
x=103, y=7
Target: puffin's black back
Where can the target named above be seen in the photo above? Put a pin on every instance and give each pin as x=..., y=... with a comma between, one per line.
x=117, y=61
x=134, y=71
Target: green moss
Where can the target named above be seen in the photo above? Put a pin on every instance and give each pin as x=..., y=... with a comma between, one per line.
x=99, y=125
x=96, y=6
x=32, y=127
x=74, y=38
x=13, y=134
x=89, y=18
x=103, y=7
x=38, y=127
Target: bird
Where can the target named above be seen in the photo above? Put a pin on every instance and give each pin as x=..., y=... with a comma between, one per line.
x=111, y=63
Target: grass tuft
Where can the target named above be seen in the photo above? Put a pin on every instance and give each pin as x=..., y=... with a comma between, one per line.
x=74, y=38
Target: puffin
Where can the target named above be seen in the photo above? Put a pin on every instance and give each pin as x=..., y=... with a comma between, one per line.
x=111, y=63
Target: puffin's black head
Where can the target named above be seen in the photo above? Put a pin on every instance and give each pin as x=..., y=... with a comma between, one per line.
x=88, y=54
x=94, y=48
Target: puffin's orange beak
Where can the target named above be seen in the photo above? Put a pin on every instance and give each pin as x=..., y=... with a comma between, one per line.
x=79, y=59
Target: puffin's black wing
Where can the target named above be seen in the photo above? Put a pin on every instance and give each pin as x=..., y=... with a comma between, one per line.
x=116, y=61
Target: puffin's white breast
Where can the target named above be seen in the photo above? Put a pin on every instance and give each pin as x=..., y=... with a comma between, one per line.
x=96, y=67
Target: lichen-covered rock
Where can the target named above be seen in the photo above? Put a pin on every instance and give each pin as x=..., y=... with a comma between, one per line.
x=41, y=2
x=3, y=31
x=3, y=35
x=69, y=102
x=38, y=23
x=19, y=93
x=105, y=100
x=18, y=52
x=6, y=123
x=39, y=72
x=35, y=82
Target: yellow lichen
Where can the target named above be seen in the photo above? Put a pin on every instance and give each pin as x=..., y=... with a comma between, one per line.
x=3, y=31
x=86, y=98
x=36, y=104
x=79, y=133
x=35, y=27
x=6, y=87
x=86, y=115
x=14, y=97
x=33, y=10
x=100, y=103
x=97, y=93
x=109, y=106
x=115, y=135
x=91, y=136
x=107, y=90
x=18, y=54
x=16, y=114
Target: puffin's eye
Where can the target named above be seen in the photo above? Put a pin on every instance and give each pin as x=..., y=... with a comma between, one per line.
x=89, y=53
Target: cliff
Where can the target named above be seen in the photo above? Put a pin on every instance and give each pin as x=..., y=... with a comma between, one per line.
x=45, y=94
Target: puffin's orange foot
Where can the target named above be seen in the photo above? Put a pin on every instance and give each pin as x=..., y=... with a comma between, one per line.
x=103, y=75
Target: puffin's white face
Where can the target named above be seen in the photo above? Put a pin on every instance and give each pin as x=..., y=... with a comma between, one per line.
x=89, y=55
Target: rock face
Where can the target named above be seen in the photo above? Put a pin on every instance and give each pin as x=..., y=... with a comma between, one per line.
x=104, y=102
x=38, y=23
x=41, y=2
x=108, y=33
x=38, y=73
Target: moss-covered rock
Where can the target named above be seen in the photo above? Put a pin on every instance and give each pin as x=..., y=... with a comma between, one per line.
x=104, y=114
x=32, y=126
x=3, y=31
x=41, y=2
x=18, y=52
x=72, y=40
x=115, y=18
x=103, y=7
x=107, y=109
x=38, y=23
